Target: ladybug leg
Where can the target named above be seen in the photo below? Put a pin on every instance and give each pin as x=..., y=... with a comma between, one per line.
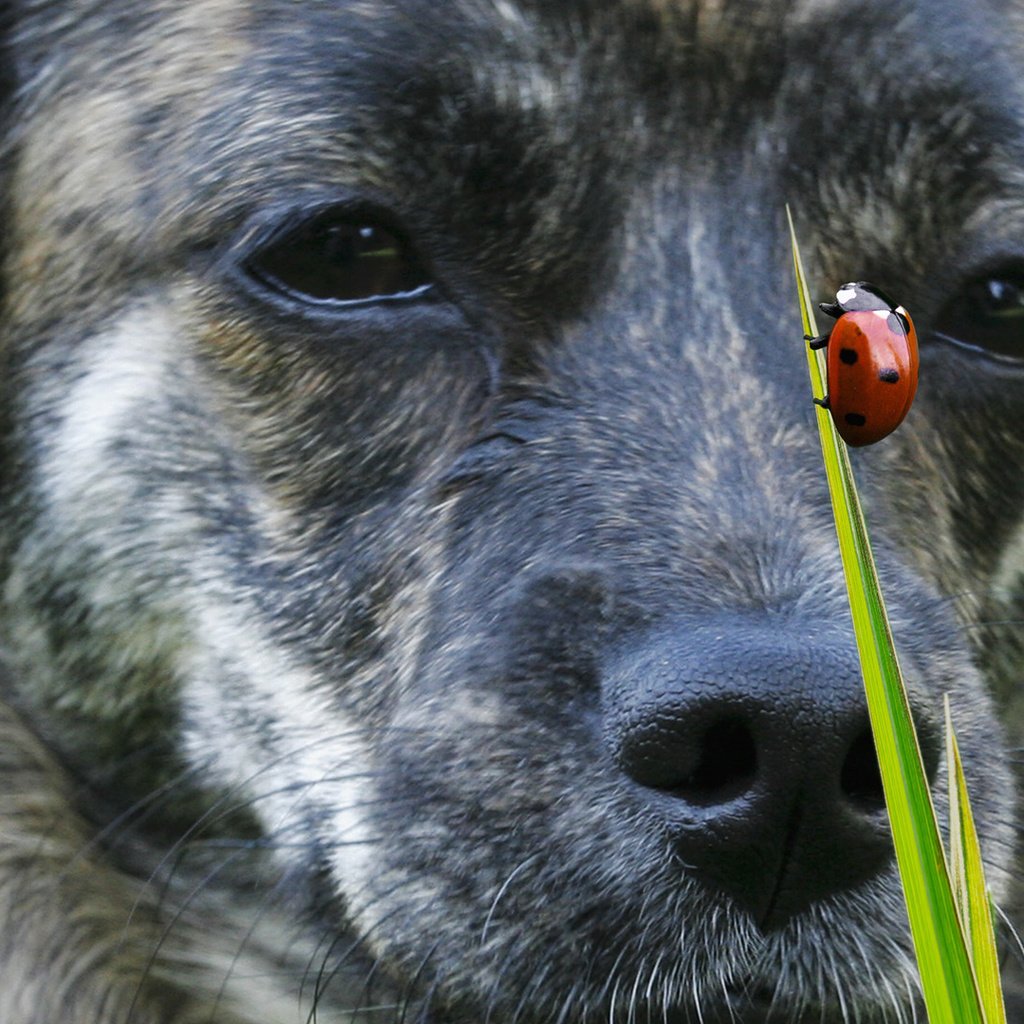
x=823, y=402
x=816, y=342
x=832, y=309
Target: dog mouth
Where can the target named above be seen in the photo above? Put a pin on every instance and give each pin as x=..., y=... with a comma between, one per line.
x=733, y=1007
x=755, y=1005
x=741, y=1004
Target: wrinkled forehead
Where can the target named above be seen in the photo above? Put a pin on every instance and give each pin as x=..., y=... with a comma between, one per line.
x=339, y=78
x=483, y=110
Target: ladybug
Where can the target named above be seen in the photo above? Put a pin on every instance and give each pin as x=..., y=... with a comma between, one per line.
x=871, y=364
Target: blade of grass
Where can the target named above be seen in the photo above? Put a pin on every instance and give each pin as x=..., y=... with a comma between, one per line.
x=947, y=980
x=969, y=888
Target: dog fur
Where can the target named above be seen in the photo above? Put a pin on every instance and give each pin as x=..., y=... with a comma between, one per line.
x=321, y=619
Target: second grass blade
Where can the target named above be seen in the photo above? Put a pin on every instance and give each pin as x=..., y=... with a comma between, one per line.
x=969, y=888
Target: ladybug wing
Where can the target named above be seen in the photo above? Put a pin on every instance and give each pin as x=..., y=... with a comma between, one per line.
x=872, y=375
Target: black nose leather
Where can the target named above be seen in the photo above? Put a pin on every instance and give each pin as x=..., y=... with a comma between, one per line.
x=749, y=741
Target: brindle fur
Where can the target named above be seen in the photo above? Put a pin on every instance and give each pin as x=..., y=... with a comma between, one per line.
x=307, y=616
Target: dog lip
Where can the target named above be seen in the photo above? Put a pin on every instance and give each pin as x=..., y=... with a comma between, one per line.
x=759, y=1005
x=738, y=1010
x=744, y=999
x=733, y=1009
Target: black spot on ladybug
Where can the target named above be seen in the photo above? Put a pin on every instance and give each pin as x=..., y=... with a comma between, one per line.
x=855, y=419
x=848, y=356
x=889, y=376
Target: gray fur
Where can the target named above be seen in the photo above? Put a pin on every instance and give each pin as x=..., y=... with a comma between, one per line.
x=310, y=614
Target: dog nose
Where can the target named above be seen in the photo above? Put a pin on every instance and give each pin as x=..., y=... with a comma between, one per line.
x=750, y=743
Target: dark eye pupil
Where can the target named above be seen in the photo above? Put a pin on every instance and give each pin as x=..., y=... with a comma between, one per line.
x=347, y=243
x=332, y=260
x=999, y=297
x=987, y=315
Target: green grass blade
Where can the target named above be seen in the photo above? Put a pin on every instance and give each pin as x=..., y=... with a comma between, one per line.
x=969, y=888
x=947, y=980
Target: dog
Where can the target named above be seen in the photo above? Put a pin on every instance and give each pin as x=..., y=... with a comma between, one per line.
x=421, y=599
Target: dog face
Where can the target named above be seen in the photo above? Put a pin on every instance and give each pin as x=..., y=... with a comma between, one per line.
x=409, y=431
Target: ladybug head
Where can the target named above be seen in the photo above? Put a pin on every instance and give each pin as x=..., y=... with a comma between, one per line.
x=859, y=295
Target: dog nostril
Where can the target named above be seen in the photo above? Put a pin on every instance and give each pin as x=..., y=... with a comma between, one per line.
x=860, y=779
x=725, y=768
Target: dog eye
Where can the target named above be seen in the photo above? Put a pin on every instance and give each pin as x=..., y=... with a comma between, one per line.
x=340, y=261
x=988, y=314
